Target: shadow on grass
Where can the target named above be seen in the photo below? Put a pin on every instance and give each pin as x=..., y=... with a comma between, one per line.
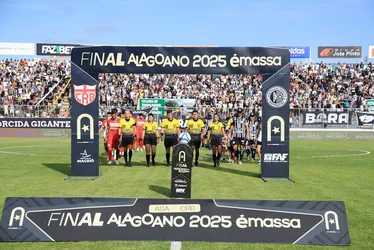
x=64, y=168
x=228, y=170
x=160, y=190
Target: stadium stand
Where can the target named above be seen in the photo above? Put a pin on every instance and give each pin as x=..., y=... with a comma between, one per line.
x=25, y=85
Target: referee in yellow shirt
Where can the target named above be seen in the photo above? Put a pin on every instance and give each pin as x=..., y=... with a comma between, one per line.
x=196, y=128
x=150, y=138
x=127, y=131
x=170, y=127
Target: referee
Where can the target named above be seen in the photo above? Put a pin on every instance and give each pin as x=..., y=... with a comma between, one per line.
x=170, y=127
x=196, y=128
x=150, y=138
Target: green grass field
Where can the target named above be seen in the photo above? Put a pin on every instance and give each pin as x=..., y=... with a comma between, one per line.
x=323, y=170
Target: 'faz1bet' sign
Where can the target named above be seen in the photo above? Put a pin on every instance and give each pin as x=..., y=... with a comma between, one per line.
x=99, y=219
x=49, y=49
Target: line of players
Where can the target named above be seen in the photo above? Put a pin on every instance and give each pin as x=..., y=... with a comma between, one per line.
x=240, y=135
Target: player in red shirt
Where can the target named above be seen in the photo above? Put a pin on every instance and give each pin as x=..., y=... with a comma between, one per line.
x=113, y=137
x=103, y=128
x=140, y=125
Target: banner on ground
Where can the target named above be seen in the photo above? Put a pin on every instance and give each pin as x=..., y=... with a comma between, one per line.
x=161, y=105
x=53, y=49
x=17, y=49
x=371, y=51
x=299, y=51
x=365, y=118
x=340, y=52
x=371, y=105
x=319, y=117
x=99, y=219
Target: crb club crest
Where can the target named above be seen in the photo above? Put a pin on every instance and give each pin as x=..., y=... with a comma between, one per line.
x=85, y=94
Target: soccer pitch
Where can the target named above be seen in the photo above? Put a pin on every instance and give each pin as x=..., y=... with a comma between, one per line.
x=323, y=170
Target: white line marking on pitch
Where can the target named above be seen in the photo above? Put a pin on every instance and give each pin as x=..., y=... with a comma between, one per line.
x=176, y=245
x=30, y=154
x=363, y=152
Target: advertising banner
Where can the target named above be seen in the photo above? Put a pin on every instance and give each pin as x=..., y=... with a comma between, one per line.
x=99, y=219
x=299, y=51
x=365, y=118
x=331, y=134
x=181, y=171
x=340, y=52
x=371, y=51
x=52, y=49
x=319, y=117
x=17, y=49
x=16, y=122
x=158, y=105
x=275, y=126
x=161, y=105
x=371, y=105
x=271, y=62
x=84, y=124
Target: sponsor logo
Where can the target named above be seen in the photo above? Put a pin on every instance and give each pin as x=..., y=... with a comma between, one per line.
x=366, y=118
x=340, y=52
x=179, y=185
x=55, y=133
x=180, y=190
x=21, y=49
x=276, y=157
x=332, y=222
x=330, y=118
x=180, y=181
x=299, y=52
x=55, y=49
x=16, y=218
x=274, y=222
x=85, y=158
x=276, y=97
x=338, y=136
x=85, y=94
x=182, y=156
x=276, y=130
x=326, y=52
x=81, y=126
x=371, y=51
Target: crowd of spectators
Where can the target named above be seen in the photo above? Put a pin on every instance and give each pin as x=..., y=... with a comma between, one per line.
x=24, y=83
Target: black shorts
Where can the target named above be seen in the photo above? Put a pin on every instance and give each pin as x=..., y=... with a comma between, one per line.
x=150, y=139
x=230, y=148
x=259, y=143
x=251, y=142
x=240, y=141
x=216, y=140
x=127, y=140
x=170, y=140
x=195, y=141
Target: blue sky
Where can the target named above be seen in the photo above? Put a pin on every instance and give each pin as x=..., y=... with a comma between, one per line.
x=190, y=22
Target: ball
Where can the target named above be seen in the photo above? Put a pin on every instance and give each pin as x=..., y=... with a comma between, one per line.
x=184, y=138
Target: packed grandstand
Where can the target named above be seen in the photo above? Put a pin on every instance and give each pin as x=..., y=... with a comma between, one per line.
x=36, y=88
